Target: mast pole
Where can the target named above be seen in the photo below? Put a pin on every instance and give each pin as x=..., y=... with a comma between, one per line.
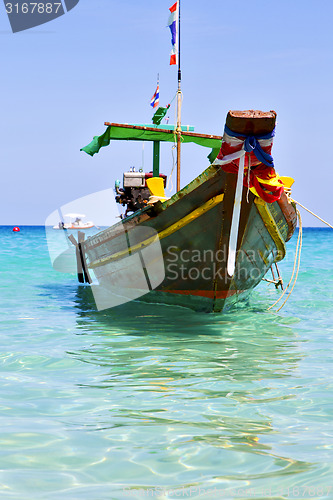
x=179, y=103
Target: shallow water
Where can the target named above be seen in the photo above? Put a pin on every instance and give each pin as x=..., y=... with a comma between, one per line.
x=147, y=401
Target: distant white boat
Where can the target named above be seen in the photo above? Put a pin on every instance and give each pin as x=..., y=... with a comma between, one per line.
x=75, y=222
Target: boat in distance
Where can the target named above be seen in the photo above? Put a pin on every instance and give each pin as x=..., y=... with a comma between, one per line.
x=210, y=244
x=75, y=222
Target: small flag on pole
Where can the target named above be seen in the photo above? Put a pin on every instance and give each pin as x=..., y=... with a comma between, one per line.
x=156, y=97
x=173, y=25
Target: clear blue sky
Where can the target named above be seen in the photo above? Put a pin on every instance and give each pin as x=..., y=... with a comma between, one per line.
x=61, y=81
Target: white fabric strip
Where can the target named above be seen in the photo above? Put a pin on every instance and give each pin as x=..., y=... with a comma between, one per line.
x=235, y=218
x=229, y=158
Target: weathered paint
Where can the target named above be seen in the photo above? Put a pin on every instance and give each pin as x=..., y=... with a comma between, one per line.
x=162, y=234
x=272, y=227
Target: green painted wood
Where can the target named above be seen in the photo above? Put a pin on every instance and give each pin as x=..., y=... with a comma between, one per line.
x=156, y=159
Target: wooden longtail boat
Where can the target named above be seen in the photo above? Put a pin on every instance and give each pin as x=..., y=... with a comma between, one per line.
x=213, y=241
x=217, y=237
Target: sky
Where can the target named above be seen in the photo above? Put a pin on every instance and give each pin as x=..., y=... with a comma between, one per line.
x=99, y=62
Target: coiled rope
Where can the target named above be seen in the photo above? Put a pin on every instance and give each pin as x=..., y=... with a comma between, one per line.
x=297, y=262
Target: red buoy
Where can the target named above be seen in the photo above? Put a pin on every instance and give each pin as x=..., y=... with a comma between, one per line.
x=16, y=229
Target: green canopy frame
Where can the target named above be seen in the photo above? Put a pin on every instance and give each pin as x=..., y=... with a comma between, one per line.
x=155, y=134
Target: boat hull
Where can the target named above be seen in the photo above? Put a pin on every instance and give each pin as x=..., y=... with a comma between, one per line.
x=193, y=231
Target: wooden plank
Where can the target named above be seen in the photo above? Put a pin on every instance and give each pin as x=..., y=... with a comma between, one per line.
x=166, y=131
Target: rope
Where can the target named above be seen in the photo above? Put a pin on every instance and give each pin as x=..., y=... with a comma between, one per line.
x=174, y=97
x=297, y=260
x=174, y=163
x=173, y=167
x=175, y=129
x=297, y=263
x=288, y=193
x=277, y=283
x=322, y=220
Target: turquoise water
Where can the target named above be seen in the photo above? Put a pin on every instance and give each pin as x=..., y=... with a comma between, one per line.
x=160, y=402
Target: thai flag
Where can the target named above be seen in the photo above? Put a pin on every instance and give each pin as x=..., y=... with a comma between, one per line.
x=156, y=97
x=173, y=25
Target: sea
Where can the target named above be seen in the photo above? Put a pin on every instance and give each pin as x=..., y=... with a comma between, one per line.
x=150, y=401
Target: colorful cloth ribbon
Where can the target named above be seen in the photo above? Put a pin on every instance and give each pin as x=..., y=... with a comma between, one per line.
x=261, y=178
x=252, y=145
x=264, y=181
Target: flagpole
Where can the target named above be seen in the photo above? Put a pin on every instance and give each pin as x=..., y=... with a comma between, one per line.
x=179, y=102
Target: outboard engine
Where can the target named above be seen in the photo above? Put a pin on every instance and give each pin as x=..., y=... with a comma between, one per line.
x=134, y=193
